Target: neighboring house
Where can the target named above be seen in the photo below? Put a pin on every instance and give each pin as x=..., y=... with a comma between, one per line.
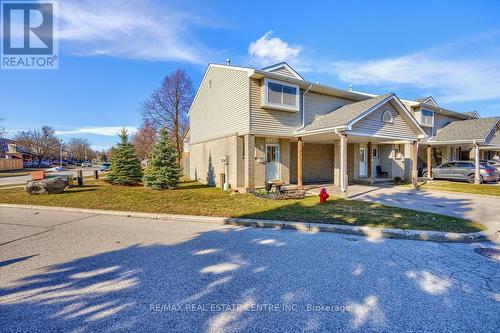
x=272, y=124
x=10, y=149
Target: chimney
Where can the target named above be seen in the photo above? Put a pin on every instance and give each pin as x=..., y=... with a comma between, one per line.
x=228, y=62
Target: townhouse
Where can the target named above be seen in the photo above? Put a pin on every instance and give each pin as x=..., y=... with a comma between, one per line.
x=249, y=126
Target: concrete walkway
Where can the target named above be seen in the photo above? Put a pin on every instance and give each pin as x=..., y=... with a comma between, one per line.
x=483, y=209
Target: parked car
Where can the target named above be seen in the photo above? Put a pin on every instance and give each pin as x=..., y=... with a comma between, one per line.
x=463, y=170
x=105, y=166
x=493, y=163
x=87, y=164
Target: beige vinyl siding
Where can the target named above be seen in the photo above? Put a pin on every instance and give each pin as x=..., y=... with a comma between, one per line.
x=269, y=122
x=372, y=124
x=319, y=105
x=441, y=120
x=222, y=108
x=493, y=137
x=282, y=71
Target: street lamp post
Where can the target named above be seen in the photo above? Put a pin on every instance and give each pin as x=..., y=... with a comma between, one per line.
x=60, y=153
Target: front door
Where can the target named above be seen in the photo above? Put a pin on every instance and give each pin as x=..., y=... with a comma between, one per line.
x=272, y=161
x=363, y=167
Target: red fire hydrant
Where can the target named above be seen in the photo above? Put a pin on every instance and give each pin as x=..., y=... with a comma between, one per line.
x=323, y=195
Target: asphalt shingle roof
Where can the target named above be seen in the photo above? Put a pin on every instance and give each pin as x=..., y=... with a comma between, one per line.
x=345, y=114
x=471, y=129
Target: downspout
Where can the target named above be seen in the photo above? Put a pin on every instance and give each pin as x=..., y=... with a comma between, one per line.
x=342, y=185
x=304, y=106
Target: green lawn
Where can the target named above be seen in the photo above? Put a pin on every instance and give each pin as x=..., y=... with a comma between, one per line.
x=196, y=199
x=442, y=185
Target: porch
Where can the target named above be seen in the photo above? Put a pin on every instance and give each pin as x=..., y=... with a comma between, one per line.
x=355, y=159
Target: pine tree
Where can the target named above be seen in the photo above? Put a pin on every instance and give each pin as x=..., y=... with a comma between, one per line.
x=125, y=166
x=163, y=170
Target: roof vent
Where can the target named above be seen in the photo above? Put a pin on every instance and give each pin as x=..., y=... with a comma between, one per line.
x=228, y=62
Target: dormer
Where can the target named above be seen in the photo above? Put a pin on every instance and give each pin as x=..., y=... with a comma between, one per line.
x=283, y=68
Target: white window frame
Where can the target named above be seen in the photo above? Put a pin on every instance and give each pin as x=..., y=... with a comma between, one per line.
x=266, y=103
x=374, y=153
x=422, y=117
x=391, y=121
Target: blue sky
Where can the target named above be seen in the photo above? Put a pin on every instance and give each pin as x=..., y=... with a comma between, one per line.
x=113, y=53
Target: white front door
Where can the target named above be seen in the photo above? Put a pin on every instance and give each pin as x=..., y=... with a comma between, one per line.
x=272, y=161
x=363, y=167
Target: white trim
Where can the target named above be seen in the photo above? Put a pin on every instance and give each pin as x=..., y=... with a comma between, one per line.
x=285, y=65
x=454, y=141
x=422, y=117
x=266, y=104
x=380, y=136
x=389, y=121
x=278, y=159
x=319, y=131
x=432, y=99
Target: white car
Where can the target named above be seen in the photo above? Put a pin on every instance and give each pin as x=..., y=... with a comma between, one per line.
x=87, y=164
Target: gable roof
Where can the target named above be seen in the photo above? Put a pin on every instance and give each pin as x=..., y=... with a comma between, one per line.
x=275, y=67
x=427, y=100
x=466, y=130
x=345, y=116
x=472, y=114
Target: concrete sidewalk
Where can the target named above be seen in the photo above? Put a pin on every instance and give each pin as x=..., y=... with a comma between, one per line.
x=482, y=209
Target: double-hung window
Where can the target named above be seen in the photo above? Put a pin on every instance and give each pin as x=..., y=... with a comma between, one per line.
x=427, y=117
x=281, y=95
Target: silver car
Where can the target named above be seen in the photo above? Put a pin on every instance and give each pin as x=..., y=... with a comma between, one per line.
x=463, y=170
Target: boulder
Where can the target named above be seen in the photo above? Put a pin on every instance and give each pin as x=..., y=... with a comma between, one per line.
x=47, y=186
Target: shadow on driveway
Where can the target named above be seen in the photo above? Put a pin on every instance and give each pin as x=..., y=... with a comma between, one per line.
x=307, y=278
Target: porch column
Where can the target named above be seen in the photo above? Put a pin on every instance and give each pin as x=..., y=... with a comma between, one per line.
x=300, y=144
x=369, y=161
x=414, y=158
x=476, y=162
x=249, y=162
x=343, y=165
x=429, y=161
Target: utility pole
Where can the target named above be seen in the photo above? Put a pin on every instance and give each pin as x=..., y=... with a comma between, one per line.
x=60, y=154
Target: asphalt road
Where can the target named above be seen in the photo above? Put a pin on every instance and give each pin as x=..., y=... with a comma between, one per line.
x=18, y=180
x=83, y=272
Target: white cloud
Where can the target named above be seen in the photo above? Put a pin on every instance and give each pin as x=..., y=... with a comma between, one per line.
x=457, y=72
x=130, y=29
x=99, y=130
x=269, y=50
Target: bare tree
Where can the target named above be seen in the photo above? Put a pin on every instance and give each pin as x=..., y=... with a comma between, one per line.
x=40, y=143
x=79, y=148
x=168, y=106
x=144, y=139
x=3, y=131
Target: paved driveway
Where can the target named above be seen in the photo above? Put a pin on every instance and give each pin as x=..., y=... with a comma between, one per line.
x=483, y=209
x=81, y=272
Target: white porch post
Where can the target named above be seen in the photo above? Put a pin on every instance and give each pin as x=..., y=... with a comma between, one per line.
x=476, y=162
x=414, y=159
x=343, y=165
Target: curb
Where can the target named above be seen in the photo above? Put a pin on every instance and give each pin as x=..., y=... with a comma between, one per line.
x=372, y=232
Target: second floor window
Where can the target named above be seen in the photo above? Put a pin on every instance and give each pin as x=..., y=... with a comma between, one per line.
x=281, y=95
x=427, y=117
